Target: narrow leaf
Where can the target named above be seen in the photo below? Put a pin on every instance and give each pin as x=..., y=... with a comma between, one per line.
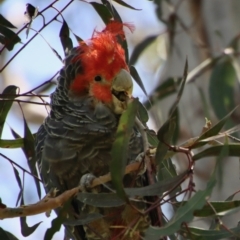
x=120, y=147
x=112, y=200
x=100, y=200
x=223, y=76
x=5, y=235
x=183, y=214
x=11, y=143
x=204, y=234
x=233, y=151
x=165, y=134
x=116, y=16
x=55, y=227
x=167, y=170
x=125, y=4
x=139, y=48
x=6, y=105
x=10, y=37
x=16, y=173
x=158, y=10
x=5, y=22
x=213, y=131
x=180, y=92
x=65, y=39
x=138, y=80
x=165, y=89
x=142, y=113
x=57, y=222
x=25, y=229
x=102, y=11
x=84, y=219
x=77, y=38
x=220, y=208
x=29, y=151
x=152, y=138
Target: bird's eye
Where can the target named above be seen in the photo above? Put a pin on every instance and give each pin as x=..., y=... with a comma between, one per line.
x=98, y=78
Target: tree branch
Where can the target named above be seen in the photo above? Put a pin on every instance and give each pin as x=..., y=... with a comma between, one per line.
x=48, y=203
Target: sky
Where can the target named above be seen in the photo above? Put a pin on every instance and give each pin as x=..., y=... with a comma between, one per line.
x=37, y=63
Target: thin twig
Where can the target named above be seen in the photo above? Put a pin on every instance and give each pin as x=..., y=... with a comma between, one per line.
x=42, y=84
x=3, y=96
x=34, y=36
x=23, y=169
x=23, y=101
x=25, y=26
x=150, y=175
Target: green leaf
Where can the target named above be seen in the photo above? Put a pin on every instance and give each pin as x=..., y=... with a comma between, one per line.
x=65, y=39
x=203, y=234
x=169, y=87
x=112, y=200
x=139, y=48
x=158, y=188
x=125, y=4
x=84, y=219
x=180, y=92
x=183, y=214
x=176, y=130
x=112, y=10
x=25, y=229
x=137, y=78
x=167, y=170
x=102, y=11
x=58, y=221
x=11, y=143
x=221, y=88
x=171, y=25
x=220, y=208
x=233, y=151
x=158, y=4
x=55, y=227
x=165, y=89
x=142, y=113
x=120, y=147
x=77, y=38
x=100, y=200
x=4, y=22
x=5, y=235
x=6, y=105
x=230, y=198
x=9, y=38
x=117, y=17
x=16, y=173
x=213, y=130
x=152, y=138
x=29, y=151
x=204, y=102
x=223, y=154
x=165, y=134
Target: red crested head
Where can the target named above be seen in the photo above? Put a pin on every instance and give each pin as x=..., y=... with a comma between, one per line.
x=101, y=57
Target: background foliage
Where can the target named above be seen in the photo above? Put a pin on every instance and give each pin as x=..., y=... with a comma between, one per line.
x=196, y=157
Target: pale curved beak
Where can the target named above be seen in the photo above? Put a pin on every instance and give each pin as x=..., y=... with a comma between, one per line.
x=122, y=86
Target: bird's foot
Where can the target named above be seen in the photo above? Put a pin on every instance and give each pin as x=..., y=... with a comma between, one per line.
x=86, y=182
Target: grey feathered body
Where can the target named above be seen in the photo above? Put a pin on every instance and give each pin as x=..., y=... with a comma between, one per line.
x=76, y=138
